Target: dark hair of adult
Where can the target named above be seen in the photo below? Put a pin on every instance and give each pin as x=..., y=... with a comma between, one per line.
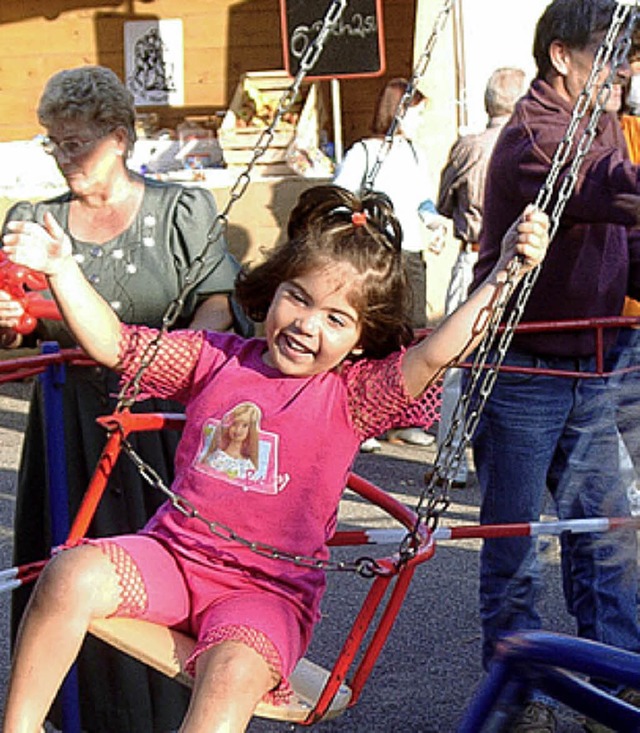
x=322, y=229
x=93, y=95
x=387, y=104
x=573, y=22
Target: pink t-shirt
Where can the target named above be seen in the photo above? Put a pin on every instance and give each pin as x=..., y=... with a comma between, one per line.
x=284, y=490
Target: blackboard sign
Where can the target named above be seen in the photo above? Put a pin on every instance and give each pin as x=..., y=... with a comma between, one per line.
x=355, y=47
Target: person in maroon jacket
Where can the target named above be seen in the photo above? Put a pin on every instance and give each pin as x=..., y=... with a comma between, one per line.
x=542, y=432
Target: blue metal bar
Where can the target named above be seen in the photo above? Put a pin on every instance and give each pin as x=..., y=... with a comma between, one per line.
x=493, y=704
x=550, y=663
x=582, y=656
x=592, y=701
x=52, y=381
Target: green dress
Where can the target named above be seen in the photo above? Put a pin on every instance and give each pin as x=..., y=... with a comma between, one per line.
x=139, y=274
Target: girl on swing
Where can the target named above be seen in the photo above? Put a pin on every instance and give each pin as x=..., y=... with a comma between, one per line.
x=337, y=365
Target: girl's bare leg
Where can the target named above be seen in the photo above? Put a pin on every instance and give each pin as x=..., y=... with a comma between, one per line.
x=231, y=678
x=75, y=586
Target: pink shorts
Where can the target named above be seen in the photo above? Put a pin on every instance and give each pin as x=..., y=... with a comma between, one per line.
x=217, y=605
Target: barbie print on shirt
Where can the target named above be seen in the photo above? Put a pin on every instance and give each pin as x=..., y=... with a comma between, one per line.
x=235, y=450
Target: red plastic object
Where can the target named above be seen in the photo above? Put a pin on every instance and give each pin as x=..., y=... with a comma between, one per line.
x=23, y=285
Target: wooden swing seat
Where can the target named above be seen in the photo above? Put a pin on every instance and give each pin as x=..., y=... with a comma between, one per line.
x=167, y=650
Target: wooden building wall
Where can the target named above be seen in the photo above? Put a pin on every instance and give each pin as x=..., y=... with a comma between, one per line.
x=222, y=39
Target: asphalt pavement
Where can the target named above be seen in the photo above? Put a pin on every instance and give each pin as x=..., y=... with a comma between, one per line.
x=429, y=668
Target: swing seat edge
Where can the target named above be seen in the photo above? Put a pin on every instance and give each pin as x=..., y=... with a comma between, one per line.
x=167, y=651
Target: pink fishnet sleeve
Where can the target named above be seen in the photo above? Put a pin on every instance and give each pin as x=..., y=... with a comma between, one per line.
x=170, y=368
x=379, y=401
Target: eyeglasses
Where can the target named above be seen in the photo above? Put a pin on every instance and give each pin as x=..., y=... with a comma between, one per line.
x=69, y=148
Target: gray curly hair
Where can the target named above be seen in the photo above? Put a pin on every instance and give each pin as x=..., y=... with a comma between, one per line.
x=90, y=94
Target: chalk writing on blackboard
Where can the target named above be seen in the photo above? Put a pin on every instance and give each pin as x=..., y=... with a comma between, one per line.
x=303, y=36
x=353, y=48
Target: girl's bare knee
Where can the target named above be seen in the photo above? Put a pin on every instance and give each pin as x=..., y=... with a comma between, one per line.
x=81, y=575
x=241, y=667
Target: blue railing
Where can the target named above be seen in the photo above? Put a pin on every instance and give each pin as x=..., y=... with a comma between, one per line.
x=560, y=667
x=52, y=380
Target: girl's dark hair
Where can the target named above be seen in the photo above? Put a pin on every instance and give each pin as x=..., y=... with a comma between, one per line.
x=574, y=22
x=322, y=228
x=387, y=104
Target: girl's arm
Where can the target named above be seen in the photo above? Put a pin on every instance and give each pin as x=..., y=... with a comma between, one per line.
x=47, y=249
x=460, y=333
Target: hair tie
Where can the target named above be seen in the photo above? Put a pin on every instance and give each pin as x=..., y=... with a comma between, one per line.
x=359, y=218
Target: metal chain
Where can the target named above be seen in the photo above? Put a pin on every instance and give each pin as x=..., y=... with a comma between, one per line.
x=409, y=92
x=365, y=566
x=434, y=499
x=198, y=268
x=613, y=49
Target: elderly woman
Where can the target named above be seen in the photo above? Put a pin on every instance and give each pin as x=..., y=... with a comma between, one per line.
x=134, y=239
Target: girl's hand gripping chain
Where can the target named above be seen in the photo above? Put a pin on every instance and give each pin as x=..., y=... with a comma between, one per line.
x=527, y=240
x=460, y=333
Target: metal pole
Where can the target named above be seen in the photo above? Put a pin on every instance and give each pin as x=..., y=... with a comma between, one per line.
x=336, y=106
x=52, y=380
x=461, y=68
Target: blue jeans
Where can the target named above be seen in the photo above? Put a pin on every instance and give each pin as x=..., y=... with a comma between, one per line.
x=626, y=354
x=544, y=432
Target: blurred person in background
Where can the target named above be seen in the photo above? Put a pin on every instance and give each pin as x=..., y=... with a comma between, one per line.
x=461, y=198
x=405, y=178
x=626, y=353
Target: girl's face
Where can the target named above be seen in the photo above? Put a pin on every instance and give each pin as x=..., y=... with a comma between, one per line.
x=311, y=326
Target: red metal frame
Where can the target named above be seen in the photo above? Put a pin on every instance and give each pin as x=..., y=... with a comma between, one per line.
x=23, y=367
x=599, y=326
x=392, y=580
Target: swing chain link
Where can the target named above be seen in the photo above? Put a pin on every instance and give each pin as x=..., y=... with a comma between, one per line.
x=194, y=273
x=614, y=49
x=408, y=95
x=366, y=567
x=434, y=499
